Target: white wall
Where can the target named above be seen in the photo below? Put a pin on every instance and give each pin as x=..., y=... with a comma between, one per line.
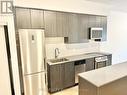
x=117, y=36
x=79, y=6
x=5, y=88
x=9, y=20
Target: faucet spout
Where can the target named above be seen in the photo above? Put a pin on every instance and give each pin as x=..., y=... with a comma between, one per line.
x=57, y=52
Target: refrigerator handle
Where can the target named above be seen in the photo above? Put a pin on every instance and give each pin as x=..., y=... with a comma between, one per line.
x=45, y=64
x=45, y=78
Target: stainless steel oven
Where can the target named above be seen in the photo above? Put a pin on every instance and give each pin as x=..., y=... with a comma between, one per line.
x=79, y=68
x=100, y=62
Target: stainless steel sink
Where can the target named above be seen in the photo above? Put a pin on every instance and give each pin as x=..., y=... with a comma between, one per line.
x=59, y=60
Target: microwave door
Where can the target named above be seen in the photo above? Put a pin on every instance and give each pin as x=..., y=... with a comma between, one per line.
x=96, y=33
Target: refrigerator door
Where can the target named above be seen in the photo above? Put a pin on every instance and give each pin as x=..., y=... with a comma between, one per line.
x=35, y=84
x=32, y=50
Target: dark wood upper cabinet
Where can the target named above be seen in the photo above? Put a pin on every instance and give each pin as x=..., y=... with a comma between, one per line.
x=56, y=24
x=29, y=18
x=91, y=21
x=23, y=19
x=83, y=28
x=37, y=19
x=62, y=24
x=73, y=26
x=99, y=21
x=104, y=25
x=50, y=23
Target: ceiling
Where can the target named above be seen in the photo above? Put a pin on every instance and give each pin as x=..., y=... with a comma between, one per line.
x=111, y=1
x=116, y=4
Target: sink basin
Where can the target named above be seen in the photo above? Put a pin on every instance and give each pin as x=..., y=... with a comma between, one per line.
x=59, y=60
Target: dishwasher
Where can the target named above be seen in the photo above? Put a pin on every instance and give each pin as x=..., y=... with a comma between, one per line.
x=79, y=68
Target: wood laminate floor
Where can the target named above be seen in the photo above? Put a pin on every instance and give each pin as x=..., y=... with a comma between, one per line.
x=69, y=91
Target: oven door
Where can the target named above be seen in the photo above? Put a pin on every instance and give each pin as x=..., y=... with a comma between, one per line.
x=100, y=64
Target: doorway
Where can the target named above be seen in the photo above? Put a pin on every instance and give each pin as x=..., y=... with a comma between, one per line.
x=6, y=64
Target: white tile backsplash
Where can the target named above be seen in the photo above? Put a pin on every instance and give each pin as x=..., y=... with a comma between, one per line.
x=71, y=49
x=54, y=40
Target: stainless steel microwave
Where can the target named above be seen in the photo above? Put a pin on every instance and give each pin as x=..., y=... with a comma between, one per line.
x=95, y=33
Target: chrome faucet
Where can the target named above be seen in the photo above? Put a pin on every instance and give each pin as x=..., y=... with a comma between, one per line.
x=57, y=52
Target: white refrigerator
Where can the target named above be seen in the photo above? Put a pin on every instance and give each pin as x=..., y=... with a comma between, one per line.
x=32, y=46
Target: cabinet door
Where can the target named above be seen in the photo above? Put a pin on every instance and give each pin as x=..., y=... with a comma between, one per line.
x=69, y=74
x=50, y=23
x=109, y=61
x=56, y=77
x=91, y=21
x=73, y=28
x=37, y=19
x=62, y=22
x=83, y=28
x=23, y=18
x=99, y=21
x=89, y=64
x=104, y=25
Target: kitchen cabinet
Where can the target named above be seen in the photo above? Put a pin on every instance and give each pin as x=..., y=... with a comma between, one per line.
x=60, y=76
x=89, y=64
x=62, y=24
x=83, y=28
x=104, y=25
x=50, y=23
x=109, y=61
x=55, y=77
x=69, y=74
x=78, y=25
x=56, y=24
x=29, y=18
x=91, y=21
x=73, y=28
x=99, y=21
x=37, y=20
x=23, y=19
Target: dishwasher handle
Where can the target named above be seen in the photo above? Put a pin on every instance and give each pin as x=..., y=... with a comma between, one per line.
x=80, y=62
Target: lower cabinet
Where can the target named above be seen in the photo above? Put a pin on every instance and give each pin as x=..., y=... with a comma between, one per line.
x=69, y=74
x=89, y=64
x=109, y=61
x=60, y=76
